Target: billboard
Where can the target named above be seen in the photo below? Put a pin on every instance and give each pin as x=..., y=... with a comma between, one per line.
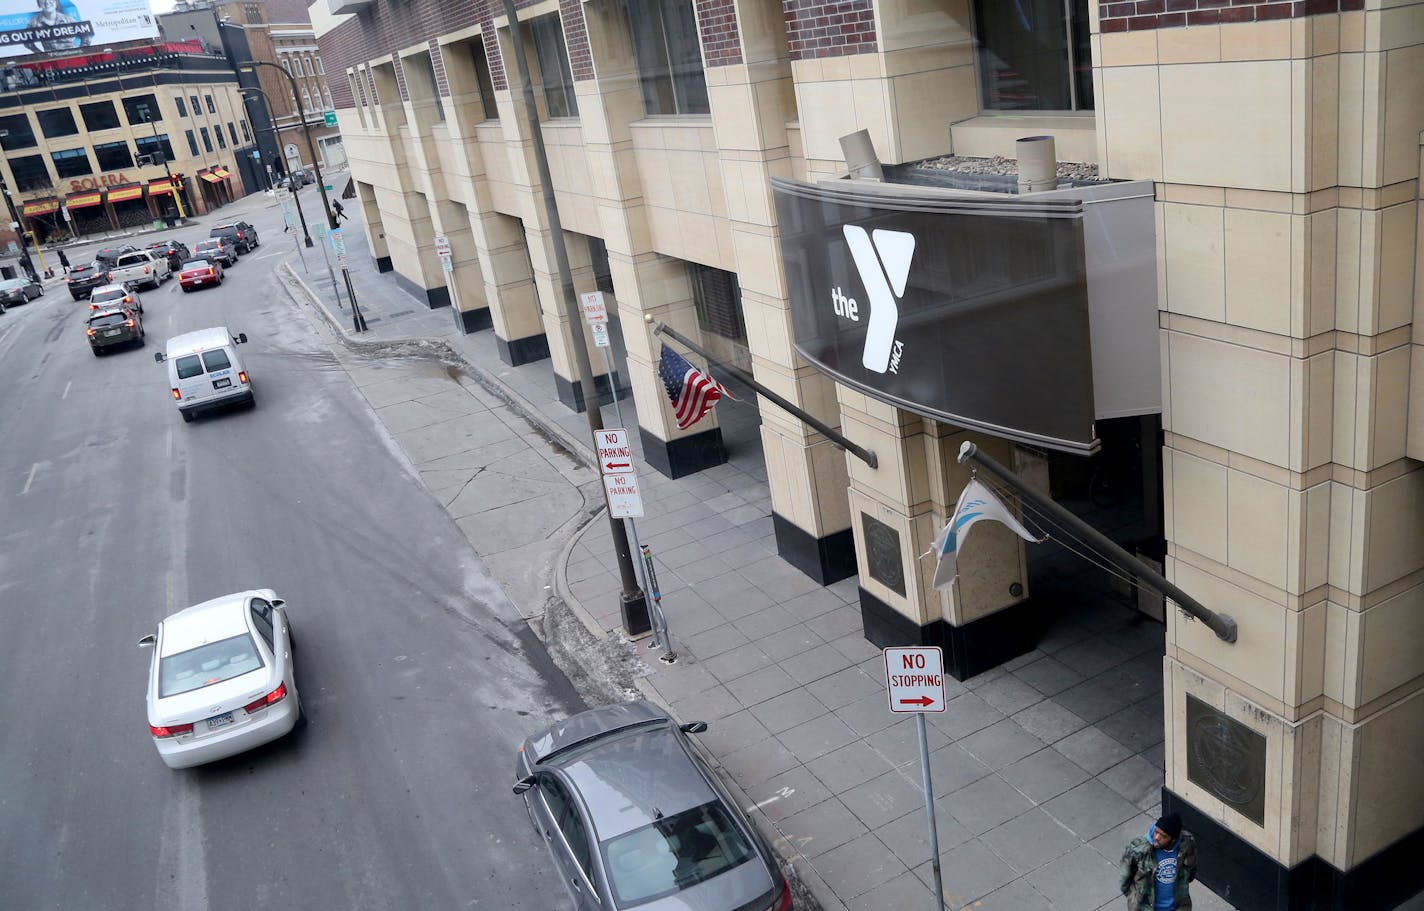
x=969, y=311
x=51, y=26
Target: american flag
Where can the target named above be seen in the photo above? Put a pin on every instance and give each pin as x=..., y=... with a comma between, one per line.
x=692, y=392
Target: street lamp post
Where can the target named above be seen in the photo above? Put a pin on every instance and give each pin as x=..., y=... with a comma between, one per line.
x=172, y=188
x=25, y=261
x=301, y=216
x=358, y=320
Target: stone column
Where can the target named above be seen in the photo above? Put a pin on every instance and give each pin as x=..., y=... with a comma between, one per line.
x=1286, y=228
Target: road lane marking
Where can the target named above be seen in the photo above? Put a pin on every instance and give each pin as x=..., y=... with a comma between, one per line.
x=31, y=479
x=66, y=390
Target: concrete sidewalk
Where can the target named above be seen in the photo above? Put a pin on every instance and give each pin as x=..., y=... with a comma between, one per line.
x=1043, y=769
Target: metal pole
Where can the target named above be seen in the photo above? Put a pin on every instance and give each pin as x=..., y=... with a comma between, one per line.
x=20, y=230
x=1221, y=624
x=301, y=216
x=860, y=452
x=177, y=200
x=633, y=602
x=930, y=811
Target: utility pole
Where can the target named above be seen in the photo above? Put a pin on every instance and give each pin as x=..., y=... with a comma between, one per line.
x=358, y=321
x=634, y=602
x=301, y=216
x=25, y=261
x=177, y=199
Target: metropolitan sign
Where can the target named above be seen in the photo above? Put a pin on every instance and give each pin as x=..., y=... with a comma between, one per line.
x=969, y=310
x=78, y=25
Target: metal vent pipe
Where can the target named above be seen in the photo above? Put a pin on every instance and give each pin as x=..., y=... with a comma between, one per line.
x=1038, y=164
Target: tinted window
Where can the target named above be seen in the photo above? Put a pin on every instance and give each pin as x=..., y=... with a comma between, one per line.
x=113, y=156
x=99, y=297
x=181, y=105
x=207, y=139
x=15, y=132
x=192, y=143
x=30, y=172
x=71, y=163
x=100, y=115
x=262, y=619
x=57, y=122
x=196, y=264
x=189, y=366
x=142, y=109
x=566, y=817
x=548, y=38
x=148, y=145
x=216, y=360
x=207, y=664
x=675, y=852
x=109, y=319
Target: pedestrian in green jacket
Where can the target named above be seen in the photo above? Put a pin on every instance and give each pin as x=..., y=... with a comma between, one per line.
x=1157, y=867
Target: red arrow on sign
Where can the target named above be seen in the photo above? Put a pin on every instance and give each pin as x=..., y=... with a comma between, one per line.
x=921, y=701
x=614, y=466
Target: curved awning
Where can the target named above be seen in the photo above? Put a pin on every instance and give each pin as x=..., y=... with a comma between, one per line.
x=223, y=173
x=210, y=177
x=124, y=194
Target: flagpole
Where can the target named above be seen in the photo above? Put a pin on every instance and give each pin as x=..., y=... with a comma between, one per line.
x=1221, y=624
x=865, y=455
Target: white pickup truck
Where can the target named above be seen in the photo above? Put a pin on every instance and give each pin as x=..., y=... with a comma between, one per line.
x=139, y=268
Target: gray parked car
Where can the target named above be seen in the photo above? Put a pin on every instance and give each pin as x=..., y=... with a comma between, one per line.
x=635, y=817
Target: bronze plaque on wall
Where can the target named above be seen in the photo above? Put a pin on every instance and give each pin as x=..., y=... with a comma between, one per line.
x=1227, y=759
x=882, y=553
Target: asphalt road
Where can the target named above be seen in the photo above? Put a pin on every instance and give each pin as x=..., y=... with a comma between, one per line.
x=418, y=676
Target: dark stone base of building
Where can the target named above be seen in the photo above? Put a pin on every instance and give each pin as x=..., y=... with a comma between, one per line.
x=571, y=393
x=434, y=298
x=1252, y=881
x=829, y=559
x=686, y=456
x=969, y=650
x=468, y=321
x=384, y=264
x=521, y=351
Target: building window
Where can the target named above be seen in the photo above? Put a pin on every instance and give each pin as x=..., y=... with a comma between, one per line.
x=232, y=132
x=197, y=107
x=1034, y=55
x=253, y=12
x=548, y=37
x=212, y=108
x=669, y=57
x=72, y=163
x=719, y=302
x=99, y=115
x=142, y=109
x=286, y=65
x=483, y=78
x=182, y=107
x=192, y=143
x=113, y=156
x=152, y=145
x=307, y=63
x=218, y=133
x=30, y=173
x=16, y=132
x=57, y=122
x=246, y=135
x=423, y=68
x=330, y=105
x=306, y=101
x=320, y=68
x=207, y=140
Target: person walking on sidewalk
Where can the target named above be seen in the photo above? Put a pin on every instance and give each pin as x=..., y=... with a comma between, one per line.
x=64, y=261
x=1156, y=868
x=339, y=209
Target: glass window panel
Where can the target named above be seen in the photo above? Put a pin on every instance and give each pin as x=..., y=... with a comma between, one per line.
x=645, y=19
x=142, y=109
x=554, y=72
x=18, y=133
x=113, y=156
x=212, y=108
x=1023, y=55
x=685, y=55
x=57, y=122
x=99, y=115
x=181, y=105
x=148, y=145
x=192, y=143
x=72, y=163
x=484, y=78
x=207, y=140
x=30, y=172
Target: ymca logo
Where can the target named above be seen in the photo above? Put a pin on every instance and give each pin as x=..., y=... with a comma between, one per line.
x=883, y=260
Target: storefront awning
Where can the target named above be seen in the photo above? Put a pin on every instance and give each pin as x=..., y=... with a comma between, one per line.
x=124, y=194
x=83, y=200
x=224, y=173
x=40, y=206
x=160, y=187
x=210, y=177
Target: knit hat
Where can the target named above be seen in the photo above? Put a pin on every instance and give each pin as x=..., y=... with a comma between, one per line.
x=1171, y=825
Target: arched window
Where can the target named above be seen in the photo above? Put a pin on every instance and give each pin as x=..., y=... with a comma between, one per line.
x=330, y=105
x=320, y=69
x=286, y=65
x=306, y=62
x=306, y=101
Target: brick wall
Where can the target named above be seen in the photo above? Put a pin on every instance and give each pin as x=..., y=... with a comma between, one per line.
x=818, y=28
x=1135, y=16
x=721, y=39
x=384, y=28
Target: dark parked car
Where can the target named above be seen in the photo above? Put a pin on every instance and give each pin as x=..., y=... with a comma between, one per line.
x=18, y=291
x=110, y=255
x=113, y=327
x=85, y=278
x=176, y=251
x=216, y=250
x=242, y=235
x=635, y=817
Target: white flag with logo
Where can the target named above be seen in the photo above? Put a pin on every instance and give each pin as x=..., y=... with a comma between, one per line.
x=976, y=503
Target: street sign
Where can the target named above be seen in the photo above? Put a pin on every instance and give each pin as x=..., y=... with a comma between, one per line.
x=442, y=246
x=624, y=500
x=615, y=456
x=594, y=309
x=338, y=246
x=329, y=117
x=915, y=679
x=600, y=334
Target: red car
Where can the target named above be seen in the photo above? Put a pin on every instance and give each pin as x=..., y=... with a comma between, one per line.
x=199, y=272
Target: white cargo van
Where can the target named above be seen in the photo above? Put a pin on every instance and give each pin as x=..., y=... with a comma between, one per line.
x=205, y=371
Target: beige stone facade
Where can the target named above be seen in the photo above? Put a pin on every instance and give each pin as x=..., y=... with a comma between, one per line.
x=1286, y=160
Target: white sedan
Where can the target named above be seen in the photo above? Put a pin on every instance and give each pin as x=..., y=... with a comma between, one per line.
x=114, y=296
x=221, y=680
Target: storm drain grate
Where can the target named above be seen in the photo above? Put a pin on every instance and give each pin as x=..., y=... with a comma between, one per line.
x=398, y=313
